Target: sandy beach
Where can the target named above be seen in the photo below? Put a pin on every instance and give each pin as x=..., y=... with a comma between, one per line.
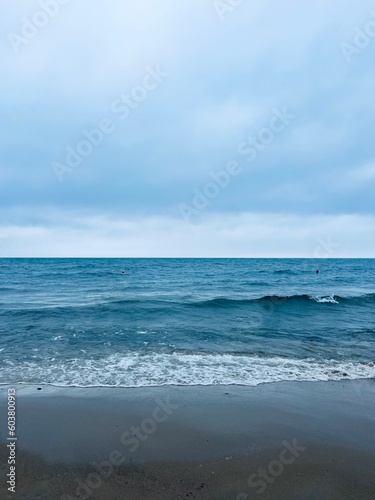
x=311, y=440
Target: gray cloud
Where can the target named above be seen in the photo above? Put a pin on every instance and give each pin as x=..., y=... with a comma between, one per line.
x=225, y=78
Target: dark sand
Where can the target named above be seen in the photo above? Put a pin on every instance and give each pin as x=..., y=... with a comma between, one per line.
x=206, y=448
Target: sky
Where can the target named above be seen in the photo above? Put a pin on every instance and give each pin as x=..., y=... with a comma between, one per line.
x=197, y=128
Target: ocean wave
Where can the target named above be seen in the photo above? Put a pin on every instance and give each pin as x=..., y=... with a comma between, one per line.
x=286, y=271
x=141, y=370
x=280, y=299
x=164, y=303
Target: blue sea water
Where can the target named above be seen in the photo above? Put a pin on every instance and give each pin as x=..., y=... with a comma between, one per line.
x=82, y=322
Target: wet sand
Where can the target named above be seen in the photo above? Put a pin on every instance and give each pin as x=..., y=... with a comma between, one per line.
x=292, y=440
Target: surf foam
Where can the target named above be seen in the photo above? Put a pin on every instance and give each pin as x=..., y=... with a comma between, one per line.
x=136, y=370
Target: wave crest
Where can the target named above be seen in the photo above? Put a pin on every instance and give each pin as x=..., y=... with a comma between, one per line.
x=280, y=299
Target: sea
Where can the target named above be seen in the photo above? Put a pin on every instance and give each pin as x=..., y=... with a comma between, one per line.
x=156, y=322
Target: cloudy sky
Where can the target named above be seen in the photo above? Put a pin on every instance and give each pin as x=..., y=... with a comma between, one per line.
x=187, y=128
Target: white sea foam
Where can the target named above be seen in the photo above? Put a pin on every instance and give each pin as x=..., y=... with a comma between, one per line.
x=135, y=370
x=324, y=300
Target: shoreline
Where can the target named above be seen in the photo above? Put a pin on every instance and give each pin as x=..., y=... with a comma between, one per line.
x=166, y=442
x=30, y=387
